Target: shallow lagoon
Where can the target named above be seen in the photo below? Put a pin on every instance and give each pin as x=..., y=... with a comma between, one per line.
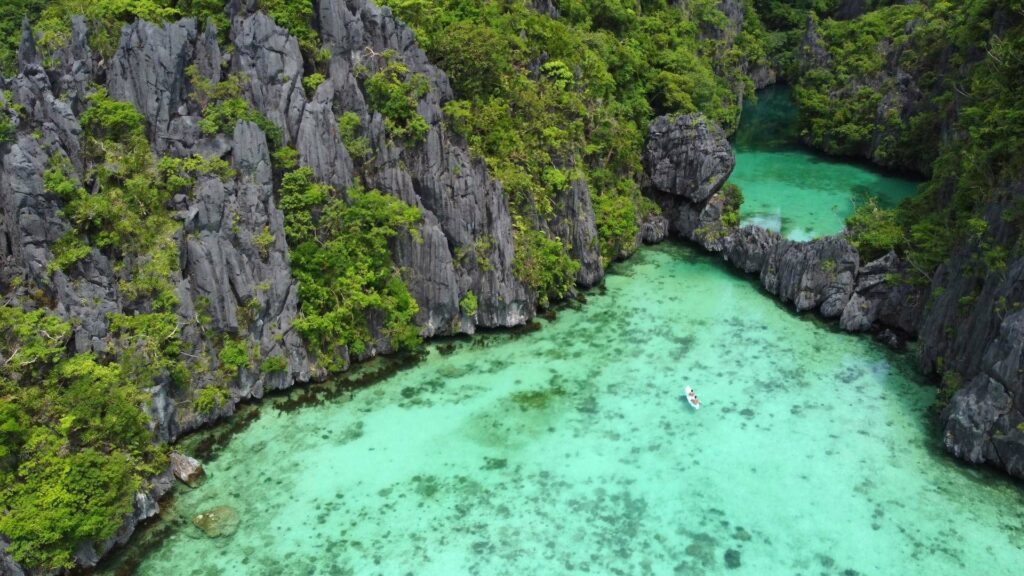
x=793, y=190
x=568, y=451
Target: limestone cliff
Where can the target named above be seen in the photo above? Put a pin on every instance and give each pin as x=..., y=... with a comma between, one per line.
x=230, y=281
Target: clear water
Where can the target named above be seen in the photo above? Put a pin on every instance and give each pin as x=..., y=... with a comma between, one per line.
x=569, y=451
x=795, y=191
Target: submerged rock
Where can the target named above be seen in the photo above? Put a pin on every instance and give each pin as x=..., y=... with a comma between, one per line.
x=218, y=522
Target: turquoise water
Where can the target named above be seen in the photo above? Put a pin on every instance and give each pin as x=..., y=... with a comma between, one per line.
x=791, y=189
x=567, y=450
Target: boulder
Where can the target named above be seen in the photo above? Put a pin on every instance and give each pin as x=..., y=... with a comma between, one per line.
x=687, y=156
x=186, y=469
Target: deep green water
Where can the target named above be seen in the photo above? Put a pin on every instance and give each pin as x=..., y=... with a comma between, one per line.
x=568, y=451
x=794, y=190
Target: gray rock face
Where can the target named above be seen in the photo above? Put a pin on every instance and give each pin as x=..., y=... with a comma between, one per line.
x=812, y=52
x=546, y=7
x=748, y=248
x=149, y=71
x=816, y=275
x=653, y=229
x=881, y=297
x=270, y=59
x=687, y=157
x=8, y=567
x=686, y=162
x=466, y=233
x=576, y=223
x=973, y=332
x=76, y=66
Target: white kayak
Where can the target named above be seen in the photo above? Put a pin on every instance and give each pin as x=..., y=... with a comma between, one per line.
x=692, y=398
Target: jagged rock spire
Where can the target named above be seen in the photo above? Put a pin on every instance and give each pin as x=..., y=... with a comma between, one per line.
x=208, y=55
x=28, y=56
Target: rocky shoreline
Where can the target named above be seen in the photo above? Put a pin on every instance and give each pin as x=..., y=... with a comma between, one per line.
x=249, y=291
x=982, y=422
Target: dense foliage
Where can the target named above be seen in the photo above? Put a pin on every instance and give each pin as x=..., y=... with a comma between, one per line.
x=393, y=91
x=547, y=102
x=74, y=444
x=967, y=133
x=341, y=258
x=840, y=103
x=51, y=21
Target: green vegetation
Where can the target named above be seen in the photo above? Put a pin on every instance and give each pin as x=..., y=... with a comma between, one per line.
x=469, y=304
x=296, y=16
x=6, y=127
x=350, y=126
x=617, y=224
x=273, y=365
x=548, y=102
x=340, y=256
x=312, y=82
x=223, y=106
x=51, y=20
x=839, y=104
x=126, y=216
x=965, y=59
x=545, y=103
x=209, y=399
x=74, y=443
x=543, y=264
x=234, y=355
x=394, y=91
x=874, y=230
x=732, y=200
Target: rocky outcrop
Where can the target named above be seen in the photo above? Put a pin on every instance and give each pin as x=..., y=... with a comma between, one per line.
x=149, y=71
x=816, y=275
x=467, y=227
x=186, y=469
x=546, y=7
x=8, y=567
x=686, y=161
x=687, y=156
x=882, y=297
x=972, y=336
